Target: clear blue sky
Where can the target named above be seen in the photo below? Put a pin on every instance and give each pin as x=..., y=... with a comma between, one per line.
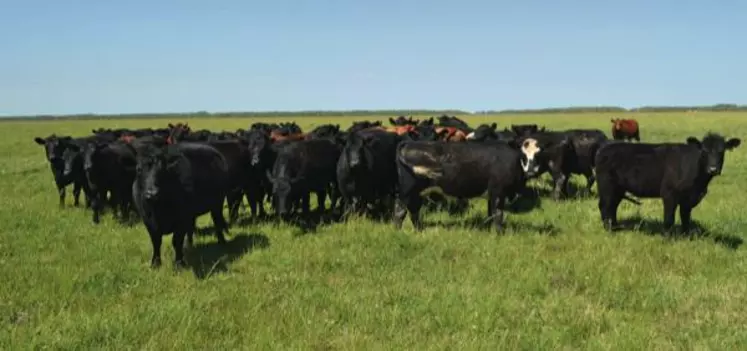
x=61, y=57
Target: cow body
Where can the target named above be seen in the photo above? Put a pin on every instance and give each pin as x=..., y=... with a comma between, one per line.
x=238, y=162
x=109, y=167
x=174, y=185
x=679, y=174
x=366, y=169
x=462, y=170
x=300, y=168
x=54, y=149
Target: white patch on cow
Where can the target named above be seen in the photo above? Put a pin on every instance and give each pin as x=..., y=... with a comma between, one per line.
x=425, y=171
x=471, y=136
x=530, y=149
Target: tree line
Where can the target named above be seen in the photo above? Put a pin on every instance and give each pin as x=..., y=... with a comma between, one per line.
x=378, y=113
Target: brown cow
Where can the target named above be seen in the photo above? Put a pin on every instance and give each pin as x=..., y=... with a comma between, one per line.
x=625, y=129
x=451, y=134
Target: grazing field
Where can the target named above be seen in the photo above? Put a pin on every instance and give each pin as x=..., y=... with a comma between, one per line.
x=554, y=280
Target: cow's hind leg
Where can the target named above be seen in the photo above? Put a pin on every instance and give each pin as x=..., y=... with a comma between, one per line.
x=77, y=186
x=670, y=206
x=177, y=241
x=321, y=197
x=61, y=192
x=609, y=199
x=560, y=180
x=234, y=199
x=590, y=179
x=496, y=207
x=219, y=222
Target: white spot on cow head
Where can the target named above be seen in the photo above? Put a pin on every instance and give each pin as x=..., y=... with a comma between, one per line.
x=471, y=136
x=530, y=148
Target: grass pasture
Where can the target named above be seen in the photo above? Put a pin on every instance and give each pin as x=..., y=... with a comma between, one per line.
x=555, y=280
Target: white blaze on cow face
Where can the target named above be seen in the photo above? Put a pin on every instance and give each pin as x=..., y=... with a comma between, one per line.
x=471, y=136
x=530, y=149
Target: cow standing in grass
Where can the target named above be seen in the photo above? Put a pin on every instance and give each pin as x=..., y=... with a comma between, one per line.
x=174, y=185
x=462, y=170
x=679, y=174
x=625, y=129
x=54, y=148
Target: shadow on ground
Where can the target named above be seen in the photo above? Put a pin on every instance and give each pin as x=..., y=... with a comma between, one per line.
x=484, y=223
x=213, y=257
x=656, y=227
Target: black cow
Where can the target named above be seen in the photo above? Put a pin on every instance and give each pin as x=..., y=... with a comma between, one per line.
x=263, y=154
x=174, y=185
x=325, y=131
x=485, y=132
x=54, y=148
x=526, y=129
x=361, y=125
x=366, y=170
x=453, y=121
x=462, y=170
x=679, y=174
x=109, y=167
x=562, y=153
x=239, y=165
x=302, y=167
x=403, y=121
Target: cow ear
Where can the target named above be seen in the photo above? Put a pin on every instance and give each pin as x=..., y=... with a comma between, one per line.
x=612, y=120
x=693, y=141
x=39, y=140
x=732, y=143
x=391, y=120
x=493, y=126
x=543, y=129
x=171, y=125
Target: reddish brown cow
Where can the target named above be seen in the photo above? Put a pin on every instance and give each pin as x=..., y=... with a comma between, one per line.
x=451, y=134
x=625, y=129
x=400, y=130
x=277, y=135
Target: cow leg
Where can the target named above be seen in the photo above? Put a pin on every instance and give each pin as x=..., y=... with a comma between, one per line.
x=334, y=196
x=637, y=137
x=496, y=206
x=115, y=202
x=305, y=207
x=155, y=240
x=76, y=193
x=609, y=200
x=321, y=197
x=234, y=201
x=561, y=183
x=61, y=192
x=670, y=206
x=125, y=202
x=685, y=211
x=96, y=205
x=219, y=222
x=589, y=181
x=177, y=241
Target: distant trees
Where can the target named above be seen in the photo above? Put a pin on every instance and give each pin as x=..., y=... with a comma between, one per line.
x=391, y=113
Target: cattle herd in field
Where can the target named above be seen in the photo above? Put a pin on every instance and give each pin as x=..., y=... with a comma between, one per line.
x=174, y=174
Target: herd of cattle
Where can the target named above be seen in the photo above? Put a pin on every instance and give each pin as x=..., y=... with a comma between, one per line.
x=175, y=174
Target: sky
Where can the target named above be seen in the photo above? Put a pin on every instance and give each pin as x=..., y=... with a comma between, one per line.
x=92, y=56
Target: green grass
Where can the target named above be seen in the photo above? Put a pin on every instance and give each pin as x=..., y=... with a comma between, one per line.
x=555, y=280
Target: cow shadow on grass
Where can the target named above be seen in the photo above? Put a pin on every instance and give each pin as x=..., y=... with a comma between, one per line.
x=697, y=231
x=210, y=258
x=573, y=191
x=483, y=223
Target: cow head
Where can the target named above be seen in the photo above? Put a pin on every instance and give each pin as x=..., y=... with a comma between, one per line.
x=72, y=158
x=617, y=124
x=524, y=129
x=282, y=188
x=355, y=145
x=156, y=168
x=483, y=132
x=326, y=131
x=712, y=150
x=258, y=142
x=530, y=163
x=54, y=147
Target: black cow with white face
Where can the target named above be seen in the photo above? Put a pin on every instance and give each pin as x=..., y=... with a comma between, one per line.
x=462, y=170
x=174, y=185
x=679, y=174
x=561, y=153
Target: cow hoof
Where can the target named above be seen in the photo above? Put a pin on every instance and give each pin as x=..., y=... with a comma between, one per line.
x=180, y=264
x=155, y=264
